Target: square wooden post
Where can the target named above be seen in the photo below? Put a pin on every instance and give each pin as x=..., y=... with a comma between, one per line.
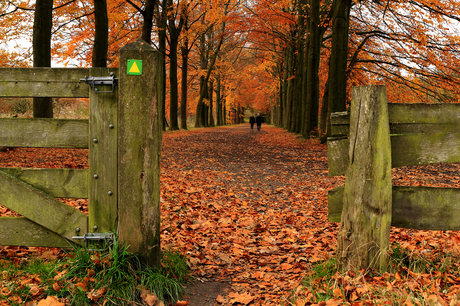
x=364, y=234
x=139, y=148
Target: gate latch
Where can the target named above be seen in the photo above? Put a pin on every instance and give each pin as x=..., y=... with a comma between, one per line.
x=94, y=81
x=105, y=238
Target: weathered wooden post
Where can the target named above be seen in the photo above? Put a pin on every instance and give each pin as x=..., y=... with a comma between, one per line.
x=364, y=233
x=102, y=209
x=139, y=146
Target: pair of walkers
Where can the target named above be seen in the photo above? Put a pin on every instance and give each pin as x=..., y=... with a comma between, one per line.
x=258, y=120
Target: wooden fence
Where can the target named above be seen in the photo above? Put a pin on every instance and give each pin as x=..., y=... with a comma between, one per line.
x=123, y=173
x=419, y=134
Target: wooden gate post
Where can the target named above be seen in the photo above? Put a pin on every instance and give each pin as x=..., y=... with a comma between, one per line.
x=364, y=234
x=139, y=148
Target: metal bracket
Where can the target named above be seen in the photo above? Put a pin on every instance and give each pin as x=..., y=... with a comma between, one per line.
x=93, y=81
x=106, y=237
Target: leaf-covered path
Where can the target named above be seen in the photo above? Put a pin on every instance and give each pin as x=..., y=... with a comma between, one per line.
x=250, y=208
x=247, y=206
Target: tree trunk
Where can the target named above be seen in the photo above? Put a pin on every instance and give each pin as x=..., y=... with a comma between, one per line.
x=364, y=233
x=161, y=22
x=203, y=90
x=218, y=102
x=101, y=36
x=174, y=95
x=174, y=33
x=211, y=108
x=184, y=86
x=324, y=111
x=224, y=112
x=43, y=22
x=183, y=100
x=280, y=113
x=338, y=60
x=148, y=20
x=313, y=68
x=200, y=107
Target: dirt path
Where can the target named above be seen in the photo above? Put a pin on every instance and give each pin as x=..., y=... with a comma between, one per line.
x=247, y=208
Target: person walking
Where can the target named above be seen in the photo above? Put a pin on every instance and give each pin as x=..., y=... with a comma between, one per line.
x=252, y=120
x=259, y=120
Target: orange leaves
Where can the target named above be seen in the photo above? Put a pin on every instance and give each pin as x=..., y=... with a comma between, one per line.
x=261, y=234
x=244, y=298
x=150, y=298
x=50, y=301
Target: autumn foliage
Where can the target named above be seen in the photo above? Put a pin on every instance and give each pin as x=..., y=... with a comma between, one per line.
x=412, y=47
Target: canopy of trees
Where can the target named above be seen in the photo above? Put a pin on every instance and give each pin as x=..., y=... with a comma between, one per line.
x=293, y=60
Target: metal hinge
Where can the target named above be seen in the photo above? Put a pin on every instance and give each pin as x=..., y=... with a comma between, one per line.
x=96, y=238
x=94, y=81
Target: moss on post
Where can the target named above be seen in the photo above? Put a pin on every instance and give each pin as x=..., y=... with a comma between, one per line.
x=139, y=147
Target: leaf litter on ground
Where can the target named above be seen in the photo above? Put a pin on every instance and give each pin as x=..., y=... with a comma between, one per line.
x=248, y=206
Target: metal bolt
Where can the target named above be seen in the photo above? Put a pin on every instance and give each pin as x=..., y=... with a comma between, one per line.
x=77, y=229
x=110, y=192
x=111, y=126
x=95, y=227
x=95, y=176
x=95, y=140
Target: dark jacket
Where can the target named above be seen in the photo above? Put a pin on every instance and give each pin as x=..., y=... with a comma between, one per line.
x=252, y=119
x=259, y=119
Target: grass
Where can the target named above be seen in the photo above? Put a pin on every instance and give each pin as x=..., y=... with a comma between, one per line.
x=429, y=278
x=83, y=277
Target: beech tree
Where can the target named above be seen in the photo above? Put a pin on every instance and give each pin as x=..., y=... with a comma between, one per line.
x=201, y=109
x=43, y=22
x=101, y=36
x=175, y=25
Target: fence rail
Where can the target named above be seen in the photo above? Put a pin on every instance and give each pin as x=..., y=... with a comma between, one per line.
x=365, y=145
x=420, y=134
x=47, y=82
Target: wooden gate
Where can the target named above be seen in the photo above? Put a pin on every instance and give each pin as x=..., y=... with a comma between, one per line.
x=123, y=135
x=32, y=193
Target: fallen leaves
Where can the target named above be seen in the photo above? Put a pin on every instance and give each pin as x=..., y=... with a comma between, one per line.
x=250, y=208
x=244, y=298
x=50, y=301
x=255, y=221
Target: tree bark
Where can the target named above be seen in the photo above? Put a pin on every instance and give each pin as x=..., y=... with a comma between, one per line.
x=218, y=102
x=184, y=85
x=148, y=21
x=43, y=22
x=324, y=111
x=200, y=107
x=174, y=93
x=211, y=108
x=339, y=54
x=313, y=69
x=174, y=33
x=160, y=16
x=101, y=36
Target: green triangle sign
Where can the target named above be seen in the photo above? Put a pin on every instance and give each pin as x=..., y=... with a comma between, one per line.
x=134, y=67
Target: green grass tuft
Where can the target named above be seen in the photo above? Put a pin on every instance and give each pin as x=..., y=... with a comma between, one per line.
x=114, y=276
